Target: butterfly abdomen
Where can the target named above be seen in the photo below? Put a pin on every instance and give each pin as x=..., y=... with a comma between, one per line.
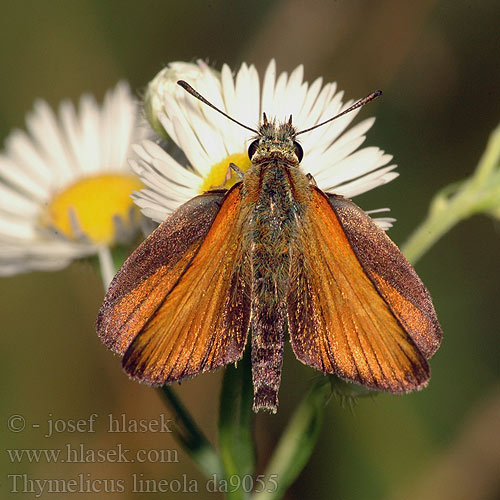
x=272, y=228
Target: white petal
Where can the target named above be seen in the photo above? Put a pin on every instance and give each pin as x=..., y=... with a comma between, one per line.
x=13, y=227
x=14, y=202
x=10, y=172
x=355, y=165
x=21, y=150
x=69, y=121
x=309, y=100
x=268, y=87
x=365, y=183
x=45, y=129
x=384, y=223
x=91, y=130
x=162, y=162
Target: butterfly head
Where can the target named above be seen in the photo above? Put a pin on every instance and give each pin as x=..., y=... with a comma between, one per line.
x=276, y=141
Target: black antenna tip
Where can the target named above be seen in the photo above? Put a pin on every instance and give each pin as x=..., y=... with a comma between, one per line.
x=377, y=93
x=183, y=84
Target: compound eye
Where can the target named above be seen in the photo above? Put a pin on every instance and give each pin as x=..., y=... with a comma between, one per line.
x=253, y=148
x=298, y=151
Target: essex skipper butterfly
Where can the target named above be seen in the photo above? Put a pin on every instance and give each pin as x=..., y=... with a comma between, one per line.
x=272, y=254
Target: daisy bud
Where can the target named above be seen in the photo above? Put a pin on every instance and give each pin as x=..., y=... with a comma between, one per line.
x=165, y=83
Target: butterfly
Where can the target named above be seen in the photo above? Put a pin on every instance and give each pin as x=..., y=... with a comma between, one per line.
x=271, y=258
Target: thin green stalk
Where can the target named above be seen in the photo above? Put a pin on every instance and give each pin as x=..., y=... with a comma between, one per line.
x=480, y=193
x=235, y=427
x=191, y=437
x=490, y=158
x=438, y=223
x=295, y=445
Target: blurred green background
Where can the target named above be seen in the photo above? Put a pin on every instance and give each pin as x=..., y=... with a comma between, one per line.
x=437, y=62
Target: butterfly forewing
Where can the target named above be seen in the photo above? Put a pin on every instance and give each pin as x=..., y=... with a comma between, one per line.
x=338, y=320
x=392, y=275
x=153, y=269
x=202, y=322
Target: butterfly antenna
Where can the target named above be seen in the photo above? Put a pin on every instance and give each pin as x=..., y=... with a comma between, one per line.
x=196, y=94
x=356, y=105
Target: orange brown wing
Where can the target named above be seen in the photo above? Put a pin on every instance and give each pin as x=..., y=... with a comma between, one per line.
x=202, y=322
x=149, y=274
x=392, y=275
x=339, y=321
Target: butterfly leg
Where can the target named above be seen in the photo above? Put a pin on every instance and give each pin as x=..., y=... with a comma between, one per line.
x=311, y=180
x=229, y=173
x=237, y=170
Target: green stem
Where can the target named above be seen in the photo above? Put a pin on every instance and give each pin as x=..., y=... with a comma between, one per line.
x=479, y=193
x=434, y=226
x=295, y=445
x=490, y=158
x=191, y=438
x=235, y=427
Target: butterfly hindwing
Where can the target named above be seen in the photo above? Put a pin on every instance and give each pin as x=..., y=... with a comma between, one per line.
x=339, y=321
x=202, y=321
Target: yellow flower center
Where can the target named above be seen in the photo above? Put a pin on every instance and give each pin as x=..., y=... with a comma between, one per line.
x=91, y=206
x=220, y=177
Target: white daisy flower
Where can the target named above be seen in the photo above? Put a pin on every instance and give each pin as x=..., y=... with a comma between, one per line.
x=65, y=185
x=210, y=141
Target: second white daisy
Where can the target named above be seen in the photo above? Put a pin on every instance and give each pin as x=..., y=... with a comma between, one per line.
x=65, y=187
